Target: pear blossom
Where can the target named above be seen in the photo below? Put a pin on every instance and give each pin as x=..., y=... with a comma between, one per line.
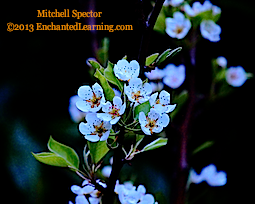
x=175, y=75
x=154, y=122
x=125, y=71
x=162, y=105
x=155, y=74
x=156, y=86
x=210, y=175
x=92, y=99
x=222, y=62
x=75, y=114
x=198, y=8
x=210, y=30
x=137, y=92
x=95, y=129
x=129, y=194
x=173, y=3
x=236, y=76
x=112, y=112
x=178, y=26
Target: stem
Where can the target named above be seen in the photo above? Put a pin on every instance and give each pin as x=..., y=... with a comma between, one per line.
x=182, y=168
x=147, y=31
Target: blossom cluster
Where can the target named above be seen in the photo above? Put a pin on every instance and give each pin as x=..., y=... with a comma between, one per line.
x=101, y=115
x=172, y=76
x=179, y=25
x=235, y=76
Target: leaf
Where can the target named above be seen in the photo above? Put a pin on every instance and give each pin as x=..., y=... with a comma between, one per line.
x=155, y=144
x=160, y=24
x=150, y=59
x=66, y=153
x=144, y=107
x=96, y=65
x=110, y=76
x=167, y=54
x=109, y=93
x=97, y=150
x=50, y=158
x=203, y=146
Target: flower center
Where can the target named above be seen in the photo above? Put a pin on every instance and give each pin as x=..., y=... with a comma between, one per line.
x=95, y=101
x=115, y=112
x=151, y=124
x=233, y=76
x=179, y=29
x=99, y=130
x=136, y=96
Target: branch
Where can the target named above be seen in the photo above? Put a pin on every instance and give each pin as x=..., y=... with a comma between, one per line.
x=147, y=31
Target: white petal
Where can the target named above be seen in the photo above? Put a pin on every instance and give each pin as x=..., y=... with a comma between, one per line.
x=92, y=138
x=117, y=102
x=146, y=130
x=147, y=89
x=81, y=199
x=107, y=107
x=122, y=109
x=88, y=189
x=83, y=106
x=194, y=177
x=97, y=89
x=115, y=120
x=170, y=108
x=94, y=200
x=135, y=84
x=141, y=189
x=92, y=118
x=76, y=189
x=85, y=92
x=136, y=68
x=157, y=129
x=106, y=171
x=85, y=128
x=163, y=120
x=105, y=136
x=104, y=116
x=153, y=114
x=164, y=97
x=142, y=119
x=148, y=199
x=153, y=98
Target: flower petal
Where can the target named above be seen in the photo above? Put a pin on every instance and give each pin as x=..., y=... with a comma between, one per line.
x=92, y=138
x=142, y=119
x=81, y=199
x=107, y=107
x=85, y=128
x=117, y=102
x=105, y=136
x=104, y=116
x=153, y=98
x=163, y=120
x=85, y=92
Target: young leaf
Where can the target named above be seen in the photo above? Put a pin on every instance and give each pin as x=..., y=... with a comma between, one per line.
x=109, y=93
x=66, y=153
x=144, y=107
x=97, y=150
x=167, y=54
x=150, y=59
x=50, y=158
x=96, y=65
x=203, y=146
x=155, y=144
x=109, y=75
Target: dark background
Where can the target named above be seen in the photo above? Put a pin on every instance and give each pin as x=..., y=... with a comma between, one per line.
x=43, y=69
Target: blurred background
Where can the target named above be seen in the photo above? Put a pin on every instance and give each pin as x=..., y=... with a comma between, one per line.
x=43, y=69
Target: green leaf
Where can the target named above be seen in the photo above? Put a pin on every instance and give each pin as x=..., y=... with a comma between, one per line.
x=110, y=76
x=167, y=54
x=150, y=59
x=144, y=107
x=97, y=150
x=108, y=91
x=96, y=65
x=155, y=144
x=221, y=75
x=50, y=158
x=203, y=146
x=160, y=24
x=66, y=153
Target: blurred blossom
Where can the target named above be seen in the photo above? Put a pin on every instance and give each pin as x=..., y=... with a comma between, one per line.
x=173, y=3
x=236, y=76
x=210, y=30
x=106, y=171
x=129, y=194
x=175, y=75
x=155, y=74
x=156, y=86
x=210, y=175
x=198, y=8
x=178, y=26
x=125, y=71
x=75, y=114
x=222, y=62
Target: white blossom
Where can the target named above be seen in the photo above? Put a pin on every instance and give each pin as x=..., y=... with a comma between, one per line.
x=92, y=99
x=222, y=62
x=155, y=74
x=162, y=104
x=154, y=122
x=210, y=175
x=178, y=26
x=112, y=112
x=137, y=92
x=95, y=129
x=75, y=114
x=175, y=75
x=210, y=30
x=198, y=8
x=129, y=194
x=156, y=86
x=236, y=76
x=173, y=3
x=125, y=71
